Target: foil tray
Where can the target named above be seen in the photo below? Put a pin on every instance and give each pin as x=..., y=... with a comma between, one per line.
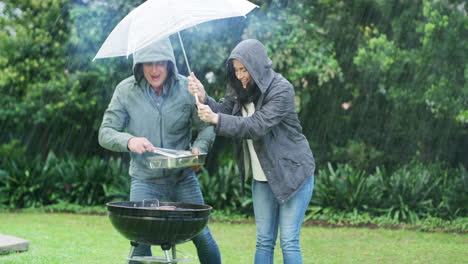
x=178, y=159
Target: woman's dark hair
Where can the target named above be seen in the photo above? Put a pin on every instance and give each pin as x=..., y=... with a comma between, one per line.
x=244, y=95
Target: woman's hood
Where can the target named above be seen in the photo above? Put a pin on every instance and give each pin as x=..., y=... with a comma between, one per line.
x=253, y=55
x=160, y=50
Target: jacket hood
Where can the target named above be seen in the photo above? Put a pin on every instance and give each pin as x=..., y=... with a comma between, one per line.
x=253, y=55
x=160, y=50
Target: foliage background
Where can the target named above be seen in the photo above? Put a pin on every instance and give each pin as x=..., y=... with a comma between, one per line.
x=379, y=84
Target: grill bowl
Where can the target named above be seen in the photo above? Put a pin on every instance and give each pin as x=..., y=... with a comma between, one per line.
x=145, y=224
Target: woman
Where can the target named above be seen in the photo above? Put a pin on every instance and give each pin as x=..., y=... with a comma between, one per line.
x=258, y=111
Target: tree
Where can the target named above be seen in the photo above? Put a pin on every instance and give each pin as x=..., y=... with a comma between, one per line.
x=54, y=96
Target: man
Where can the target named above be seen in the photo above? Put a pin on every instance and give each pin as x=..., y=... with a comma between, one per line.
x=152, y=109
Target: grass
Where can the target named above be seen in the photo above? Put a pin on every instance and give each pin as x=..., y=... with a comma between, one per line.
x=73, y=239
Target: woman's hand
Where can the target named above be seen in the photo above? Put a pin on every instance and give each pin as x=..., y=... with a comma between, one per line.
x=195, y=87
x=140, y=145
x=205, y=114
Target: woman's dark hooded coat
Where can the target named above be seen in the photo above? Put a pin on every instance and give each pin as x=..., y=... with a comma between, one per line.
x=282, y=149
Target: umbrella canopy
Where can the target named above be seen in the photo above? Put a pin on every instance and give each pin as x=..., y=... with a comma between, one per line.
x=156, y=19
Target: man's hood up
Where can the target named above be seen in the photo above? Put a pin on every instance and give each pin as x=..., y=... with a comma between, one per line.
x=253, y=55
x=160, y=50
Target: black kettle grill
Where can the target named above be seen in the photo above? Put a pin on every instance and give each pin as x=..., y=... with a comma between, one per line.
x=158, y=223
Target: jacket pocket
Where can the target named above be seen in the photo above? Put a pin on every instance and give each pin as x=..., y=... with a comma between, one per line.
x=288, y=163
x=181, y=118
x=290, y=170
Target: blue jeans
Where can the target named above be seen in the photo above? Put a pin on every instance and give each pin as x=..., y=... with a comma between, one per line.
x=186, y=190
x=269, y=215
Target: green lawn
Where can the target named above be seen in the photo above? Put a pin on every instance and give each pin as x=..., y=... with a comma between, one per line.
x=69, y=239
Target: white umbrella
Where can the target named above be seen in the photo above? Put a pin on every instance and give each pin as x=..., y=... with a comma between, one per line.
x=156, y=19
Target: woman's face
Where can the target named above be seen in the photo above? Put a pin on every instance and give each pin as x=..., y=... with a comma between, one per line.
x=241, y=72
x=155, y=73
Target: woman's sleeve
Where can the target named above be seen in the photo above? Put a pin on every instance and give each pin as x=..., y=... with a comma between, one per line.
x=224, y=106
x=277, y=104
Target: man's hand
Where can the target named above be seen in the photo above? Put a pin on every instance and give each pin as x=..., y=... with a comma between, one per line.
x=195, y=87
x=140, y=145
x=206, y=114
x=196, y=151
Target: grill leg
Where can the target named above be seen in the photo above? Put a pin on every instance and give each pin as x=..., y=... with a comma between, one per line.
x=168, y=257
x=131, y=253
x=174, y=252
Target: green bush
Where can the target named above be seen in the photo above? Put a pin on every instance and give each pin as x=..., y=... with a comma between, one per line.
x=409, y=194
x=413, y=192
x=343, y=188
x=32, y=182
x=222, y=190
x=454, y=194
x=420, y=191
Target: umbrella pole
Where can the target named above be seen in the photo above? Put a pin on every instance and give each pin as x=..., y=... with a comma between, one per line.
x=183, y=51
x=186, y=60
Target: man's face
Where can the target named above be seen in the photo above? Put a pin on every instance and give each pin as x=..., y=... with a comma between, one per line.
x=155, y=73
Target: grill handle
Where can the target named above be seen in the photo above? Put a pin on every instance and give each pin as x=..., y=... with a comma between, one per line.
x=151, y=201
